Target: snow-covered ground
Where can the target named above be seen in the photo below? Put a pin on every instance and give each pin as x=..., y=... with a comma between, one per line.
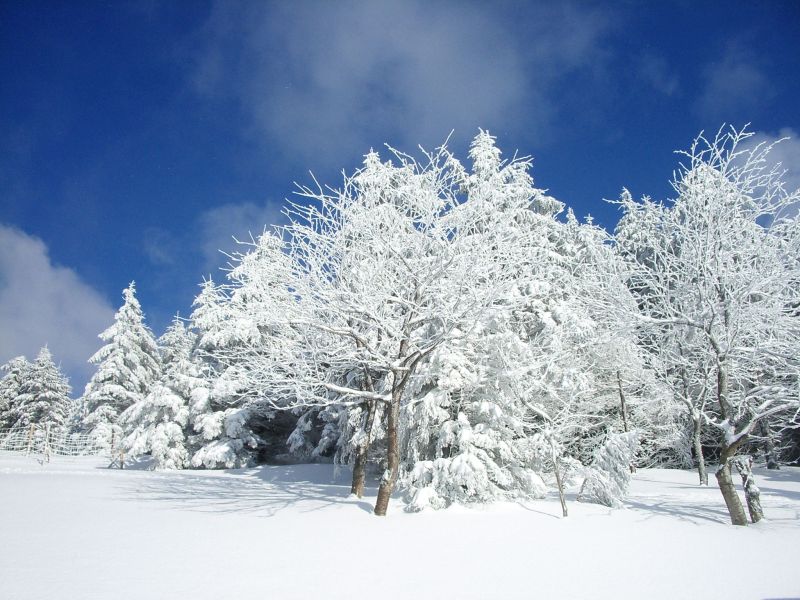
x=73, y=529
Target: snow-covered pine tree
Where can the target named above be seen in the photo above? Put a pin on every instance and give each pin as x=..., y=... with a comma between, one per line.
x=465, y=437
x=218, y=416
x=221, y=420
x=464, y=434
x=609, y=475
x=16, y=370
x=157, y=424
x=43, y=398
x=127, y=367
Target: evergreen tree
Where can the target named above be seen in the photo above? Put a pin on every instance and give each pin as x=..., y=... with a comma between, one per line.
x=157, y=423
x=128, y=365
x=43, y=397
x=541, y=361
x=218, y=413
x=610, y=474
x=16, y=370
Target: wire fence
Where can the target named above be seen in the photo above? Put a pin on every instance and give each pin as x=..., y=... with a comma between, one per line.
x=47, y=441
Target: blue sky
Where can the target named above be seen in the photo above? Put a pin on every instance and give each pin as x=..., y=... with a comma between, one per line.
x=137, y=138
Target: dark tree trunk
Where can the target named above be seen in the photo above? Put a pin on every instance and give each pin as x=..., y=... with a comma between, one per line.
x=725, y=481
x=392, y=457
x=732, y=501
x=359, y=471
x=360, y=463
x=744, y=464
x=769, y=446
x=698, y=449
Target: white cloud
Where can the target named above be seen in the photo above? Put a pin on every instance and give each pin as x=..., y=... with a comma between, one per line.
x=734, y=82
x=322, y=77
x=42, y=303
x=218, y=227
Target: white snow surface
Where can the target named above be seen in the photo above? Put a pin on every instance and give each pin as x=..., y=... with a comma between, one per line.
x=73, y=529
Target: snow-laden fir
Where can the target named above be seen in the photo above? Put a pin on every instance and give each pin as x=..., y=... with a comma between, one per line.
x=127, y=366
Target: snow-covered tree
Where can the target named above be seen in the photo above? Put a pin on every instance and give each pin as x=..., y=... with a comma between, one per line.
x=716, y=275
x=127, y=367
x=464, y=429
x=43, y=397
x=535, y=385
x=218, y=410
x=224, y=437
x=609, y=475
x=415, y=266
x=157, y=424
x=16, y=371
x=676, y=352
x=385, y=271
x=431, y=320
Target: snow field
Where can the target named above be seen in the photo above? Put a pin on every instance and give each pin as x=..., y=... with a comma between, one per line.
x=74, y=529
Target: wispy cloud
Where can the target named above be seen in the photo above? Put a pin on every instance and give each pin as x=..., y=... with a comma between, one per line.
x=42, y=303
x=220, y=227
x=180, y=259
x=734, y=82
x=161, y=248
x=656, y=72
x=321, y=78
x=204, y=245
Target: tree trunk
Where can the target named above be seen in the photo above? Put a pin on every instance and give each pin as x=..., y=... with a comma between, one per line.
x=725, y=481
x=744, y=464
x=622, y=403
x=392, y=458
x=698, y=449
x=769, y=447
x=360, y=463
x=624, y=415
x=560, y=485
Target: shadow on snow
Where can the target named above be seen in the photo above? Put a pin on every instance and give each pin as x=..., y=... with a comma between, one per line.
x=264, y=491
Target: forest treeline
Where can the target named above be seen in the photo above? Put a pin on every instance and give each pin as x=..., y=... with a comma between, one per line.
x=459, y=332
